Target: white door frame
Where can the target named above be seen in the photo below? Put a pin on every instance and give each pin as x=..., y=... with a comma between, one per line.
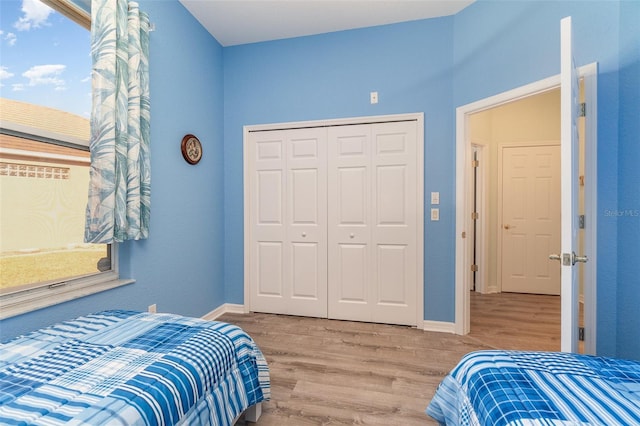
x=463, y=195
x=418, y=118
x=482, y=225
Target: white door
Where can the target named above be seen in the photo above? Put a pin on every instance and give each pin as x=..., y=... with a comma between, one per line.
x=530, y=218
x=372, y=222
x=288, y=222
x=569, y=214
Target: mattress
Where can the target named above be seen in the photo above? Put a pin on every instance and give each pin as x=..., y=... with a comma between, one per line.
x=131, y=368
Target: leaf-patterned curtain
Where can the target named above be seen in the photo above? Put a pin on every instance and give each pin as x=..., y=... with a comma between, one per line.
x=118, y=208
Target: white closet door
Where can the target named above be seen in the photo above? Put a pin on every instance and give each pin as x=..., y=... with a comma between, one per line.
x=306, y=200
x=349, y=221
x=394, y=223
x=373, y=223
x=288, y=222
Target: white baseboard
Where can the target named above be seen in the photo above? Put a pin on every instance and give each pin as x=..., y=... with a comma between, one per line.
x=231, y=308
x=492, y=289
x=439, y=326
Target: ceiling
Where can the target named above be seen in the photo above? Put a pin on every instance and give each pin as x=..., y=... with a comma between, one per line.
x=234, y=22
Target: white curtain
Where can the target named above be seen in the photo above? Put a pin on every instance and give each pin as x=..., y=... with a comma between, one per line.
x=118, y=207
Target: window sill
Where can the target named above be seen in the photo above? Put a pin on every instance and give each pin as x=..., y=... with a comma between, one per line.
x=27, y=301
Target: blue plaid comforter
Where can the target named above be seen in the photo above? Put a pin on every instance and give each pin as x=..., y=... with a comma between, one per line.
x=538, y=388
x=131, y=368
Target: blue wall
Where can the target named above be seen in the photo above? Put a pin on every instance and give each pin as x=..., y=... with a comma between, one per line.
x=497, y=46
x=331, y=75
x=180, y=267
x=193, y=261
x=503, y=45
x=628, y=344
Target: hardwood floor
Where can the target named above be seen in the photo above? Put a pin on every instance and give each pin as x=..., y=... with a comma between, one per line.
x=516, y=321
x=329, y=372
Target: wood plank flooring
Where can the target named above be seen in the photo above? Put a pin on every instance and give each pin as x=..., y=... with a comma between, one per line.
x=516, y=321
x=329, y=372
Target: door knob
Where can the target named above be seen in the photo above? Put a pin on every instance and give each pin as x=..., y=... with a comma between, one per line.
x=507, y=226
x=569, y=259
x=575, y=258
x=351, y=235
x=304, y=234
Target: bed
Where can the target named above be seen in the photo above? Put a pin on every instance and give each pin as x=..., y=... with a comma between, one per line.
x=538, y=388
x=132, y=368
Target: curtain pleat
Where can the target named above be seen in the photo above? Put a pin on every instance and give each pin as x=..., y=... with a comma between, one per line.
x=118, y=207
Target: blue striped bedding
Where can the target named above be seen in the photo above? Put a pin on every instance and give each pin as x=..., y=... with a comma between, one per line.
x=538, y=388
x=131, y=368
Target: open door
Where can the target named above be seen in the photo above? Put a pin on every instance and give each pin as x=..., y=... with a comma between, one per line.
x=570, y=180
x=569, y=92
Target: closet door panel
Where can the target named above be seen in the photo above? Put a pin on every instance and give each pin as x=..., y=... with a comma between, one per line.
x=305, y=271
x=394, y=225
x=391, y=203
x=267, y=215
x=391, y=272
x=304, y=197
x=352, y=273
x=351, y=187
x=306, y=221
x=349, y=220
x=270, y=274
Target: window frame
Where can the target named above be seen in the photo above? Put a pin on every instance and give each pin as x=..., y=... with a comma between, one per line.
x=13, y=303
x=28, y=300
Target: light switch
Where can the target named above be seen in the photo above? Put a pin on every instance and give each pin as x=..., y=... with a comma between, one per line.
x=435, y=215
x=435, y=198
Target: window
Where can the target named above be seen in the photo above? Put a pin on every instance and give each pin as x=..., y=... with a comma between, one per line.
x=44, y=159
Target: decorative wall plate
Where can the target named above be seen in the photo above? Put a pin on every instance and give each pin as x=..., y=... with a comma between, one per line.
x=191, y=149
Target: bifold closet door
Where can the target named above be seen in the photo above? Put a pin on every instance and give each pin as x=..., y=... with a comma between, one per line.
x=372, y=222
x=288, y=187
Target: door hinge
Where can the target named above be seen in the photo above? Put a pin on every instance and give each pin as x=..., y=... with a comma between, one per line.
x=475, y=215
x=581, y=221
x=581, y=334
x=475, y=163
x=582, y=110
x=474, y=268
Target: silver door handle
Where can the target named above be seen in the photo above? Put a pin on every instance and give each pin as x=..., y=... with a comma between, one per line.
x=575, y=258
x=569, y=260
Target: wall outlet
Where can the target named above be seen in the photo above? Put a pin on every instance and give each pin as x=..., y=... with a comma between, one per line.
x=152, y=309
x=435, y=215
x=373, y=97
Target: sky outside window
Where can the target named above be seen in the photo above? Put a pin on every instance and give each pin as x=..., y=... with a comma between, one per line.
x=44, y=57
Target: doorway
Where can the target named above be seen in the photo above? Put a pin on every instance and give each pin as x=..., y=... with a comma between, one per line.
x=465, y=201
x=517, y=205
